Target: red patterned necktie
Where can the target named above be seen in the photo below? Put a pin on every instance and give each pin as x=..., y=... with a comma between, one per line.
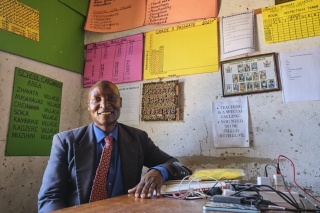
x=99, y=188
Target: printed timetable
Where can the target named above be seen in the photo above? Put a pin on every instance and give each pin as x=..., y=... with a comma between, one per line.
x=118, y=60
x=291, y=20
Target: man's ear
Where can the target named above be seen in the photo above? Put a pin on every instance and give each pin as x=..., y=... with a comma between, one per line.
x=120, y=102
x=88, y=104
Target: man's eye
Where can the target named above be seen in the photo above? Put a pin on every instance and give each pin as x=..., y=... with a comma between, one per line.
x=95, y=99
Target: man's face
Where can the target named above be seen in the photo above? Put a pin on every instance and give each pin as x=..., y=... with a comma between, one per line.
x=104, y=103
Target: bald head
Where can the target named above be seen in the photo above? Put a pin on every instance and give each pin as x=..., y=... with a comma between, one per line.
x=104, y=103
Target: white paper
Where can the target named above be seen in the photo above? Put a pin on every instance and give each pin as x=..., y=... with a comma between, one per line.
x=130, y=110
x=230, y=122
x=237, y=34
x=300, y=75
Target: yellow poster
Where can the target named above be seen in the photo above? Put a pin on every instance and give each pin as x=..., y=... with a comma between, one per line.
x=185, y=49
x=20, y=19
x=291, y=20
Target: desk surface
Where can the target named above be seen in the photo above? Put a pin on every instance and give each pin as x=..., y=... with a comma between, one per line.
x=128, y=203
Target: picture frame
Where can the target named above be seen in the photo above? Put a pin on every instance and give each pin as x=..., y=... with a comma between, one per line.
x=247, y=75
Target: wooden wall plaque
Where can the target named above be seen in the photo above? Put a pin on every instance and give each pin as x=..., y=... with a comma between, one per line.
x=160, y=101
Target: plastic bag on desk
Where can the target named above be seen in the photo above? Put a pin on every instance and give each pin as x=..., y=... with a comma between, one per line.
x=217, y=174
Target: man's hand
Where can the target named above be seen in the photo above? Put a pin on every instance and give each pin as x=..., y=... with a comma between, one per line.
x=148, y=183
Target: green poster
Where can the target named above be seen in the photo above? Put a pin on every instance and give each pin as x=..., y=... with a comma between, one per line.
x=35, y=114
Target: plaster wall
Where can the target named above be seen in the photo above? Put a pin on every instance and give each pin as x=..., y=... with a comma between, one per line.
x=276, y=128
x=21, y=176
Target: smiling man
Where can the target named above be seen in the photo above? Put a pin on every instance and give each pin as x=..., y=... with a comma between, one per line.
x=75, y=155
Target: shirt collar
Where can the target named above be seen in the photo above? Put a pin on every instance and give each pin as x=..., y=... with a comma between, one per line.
x=101, y=134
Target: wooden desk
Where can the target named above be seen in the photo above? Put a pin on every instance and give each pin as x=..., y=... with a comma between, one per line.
x=128, y=203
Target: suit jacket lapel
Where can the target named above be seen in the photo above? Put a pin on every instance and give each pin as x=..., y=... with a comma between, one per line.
x=130, y=159
x=84, y=153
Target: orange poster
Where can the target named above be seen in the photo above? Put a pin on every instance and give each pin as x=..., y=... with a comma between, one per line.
x=173, y=11
x=115, y=15
x=118, y=15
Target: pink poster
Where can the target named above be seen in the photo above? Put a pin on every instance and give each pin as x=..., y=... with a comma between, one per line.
x=118, y=60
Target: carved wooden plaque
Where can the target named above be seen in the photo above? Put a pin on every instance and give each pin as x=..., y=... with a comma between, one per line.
x=160, y=101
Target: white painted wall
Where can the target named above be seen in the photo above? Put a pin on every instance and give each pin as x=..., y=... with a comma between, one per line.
x=275, y=128
x=20, y=177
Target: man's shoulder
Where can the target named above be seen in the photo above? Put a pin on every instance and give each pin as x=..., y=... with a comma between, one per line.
x=76, y=131
x=130, y=129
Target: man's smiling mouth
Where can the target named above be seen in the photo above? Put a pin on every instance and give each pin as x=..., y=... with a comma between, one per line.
x=105, y=113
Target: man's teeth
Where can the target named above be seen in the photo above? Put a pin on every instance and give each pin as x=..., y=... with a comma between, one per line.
x=105, y=113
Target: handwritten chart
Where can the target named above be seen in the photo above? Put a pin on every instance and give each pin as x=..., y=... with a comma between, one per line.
x=113, y=15
x=292, y=20
x=181, y=50
x=174, y=11
x=118, y=60
x=35, y=114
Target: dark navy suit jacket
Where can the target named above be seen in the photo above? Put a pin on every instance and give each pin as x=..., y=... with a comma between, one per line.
x=69, y=175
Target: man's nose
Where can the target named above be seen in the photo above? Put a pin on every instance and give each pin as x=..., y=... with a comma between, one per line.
x=104, y=103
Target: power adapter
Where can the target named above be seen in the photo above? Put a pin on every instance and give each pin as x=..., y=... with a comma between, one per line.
x=264, y=181
x=278, y=182
x=228, y=199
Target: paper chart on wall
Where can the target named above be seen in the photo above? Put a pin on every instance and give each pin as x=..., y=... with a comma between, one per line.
x=237, y=34
x=300, y=75
x=230, y=122
x=291, y=20
x=20, y=19
x=113, y=16
x=181, y=50
x=130, y=110
x=35, y=114
x=173, y=11
x=118, y=60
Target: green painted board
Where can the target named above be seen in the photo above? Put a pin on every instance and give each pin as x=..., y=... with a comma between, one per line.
x=61, y=36
x=81, y=6
x=35, y=114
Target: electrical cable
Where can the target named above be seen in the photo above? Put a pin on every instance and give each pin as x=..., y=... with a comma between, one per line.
x=294, y=176
x=281, y=194
x=266, y=205
x=192, y=193
x=304, y=197
x=284, y=182
x=303, y=205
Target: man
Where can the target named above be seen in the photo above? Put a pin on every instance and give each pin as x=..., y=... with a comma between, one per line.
x=75, y=155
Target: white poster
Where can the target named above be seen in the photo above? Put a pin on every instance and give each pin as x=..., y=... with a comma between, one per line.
x=237, y=34
x=300, y=75
x=130, y=110
x=230, y=122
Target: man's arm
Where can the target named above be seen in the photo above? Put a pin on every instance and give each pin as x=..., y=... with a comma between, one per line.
x=149, y=182
x=153, y=179
x=55, y=184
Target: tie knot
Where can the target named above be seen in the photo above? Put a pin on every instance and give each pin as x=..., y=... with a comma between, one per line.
x=108, y=139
